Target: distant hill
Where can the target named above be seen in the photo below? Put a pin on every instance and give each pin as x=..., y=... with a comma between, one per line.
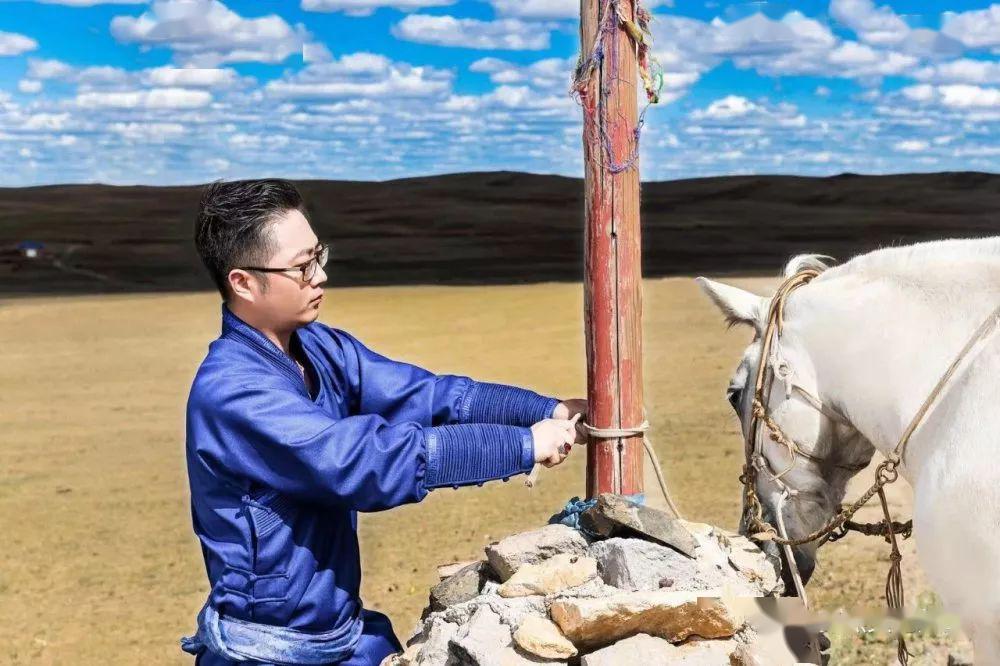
x=488, y=228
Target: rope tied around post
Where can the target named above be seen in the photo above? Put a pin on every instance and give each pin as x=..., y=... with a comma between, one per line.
x=605, y=48
x=619, y=433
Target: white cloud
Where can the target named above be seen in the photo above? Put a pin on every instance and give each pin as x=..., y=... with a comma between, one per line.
x=29, y=86
x=48, y=69
x=45, y=121
x=929, y=44
x=911, y=146
x=147, y=131
x=978, y=29
x=749, y=115
x=954, y=96
x=191, y=77
x=822, y=91
x=874, y=25
x=793, y=45
x=730, y=106
x=361, y=75
x=12, y=44
x=920, y=93
x=964, y=70
x=544, y=74
x=207, y=33
x=157, y=98
x=503, y=34
x=367, y=7
x=964, y=96
x=862, y=60
x=758, y=35
x=105, y=77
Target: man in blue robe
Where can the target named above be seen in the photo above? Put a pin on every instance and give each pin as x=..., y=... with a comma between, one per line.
x=293, y=427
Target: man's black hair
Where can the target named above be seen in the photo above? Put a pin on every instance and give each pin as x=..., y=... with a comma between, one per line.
x=234, y=225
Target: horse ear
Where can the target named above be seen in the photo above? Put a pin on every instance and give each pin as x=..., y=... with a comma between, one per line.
x=738, y=306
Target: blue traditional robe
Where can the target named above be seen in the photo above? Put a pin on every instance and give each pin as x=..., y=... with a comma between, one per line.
x=278, y=474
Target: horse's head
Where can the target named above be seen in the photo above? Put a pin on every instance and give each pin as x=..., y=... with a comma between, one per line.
x=800, y=480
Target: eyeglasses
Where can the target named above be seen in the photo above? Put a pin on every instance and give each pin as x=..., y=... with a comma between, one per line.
x=307, y=270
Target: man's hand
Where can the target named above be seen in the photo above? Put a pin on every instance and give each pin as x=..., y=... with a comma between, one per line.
x=567, y=409
x=553, y=440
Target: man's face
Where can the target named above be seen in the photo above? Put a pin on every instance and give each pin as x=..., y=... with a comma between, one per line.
x=288, y=302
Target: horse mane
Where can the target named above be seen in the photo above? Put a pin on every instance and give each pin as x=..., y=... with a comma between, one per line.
x=907, y=259
x=802, y=262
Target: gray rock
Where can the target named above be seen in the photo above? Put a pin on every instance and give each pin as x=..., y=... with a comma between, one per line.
x=481, y=640
x=491, y=587
x=652, y=651
x=550, y=576
x=613, y=515
x=463, y=585
x=539, y=636
x=433, y=642
x=595, y=587
x=638, y=565
x=511, y=611
x=507, y=556
x=452, y=568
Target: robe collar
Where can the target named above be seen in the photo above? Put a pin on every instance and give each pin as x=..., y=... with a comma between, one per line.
x=235, y=328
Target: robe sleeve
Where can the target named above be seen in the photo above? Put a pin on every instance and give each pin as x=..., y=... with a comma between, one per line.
x=277, y=437
x=395, y=388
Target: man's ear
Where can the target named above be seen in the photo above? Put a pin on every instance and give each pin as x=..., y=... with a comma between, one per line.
x=738, y=306
x=239, y=285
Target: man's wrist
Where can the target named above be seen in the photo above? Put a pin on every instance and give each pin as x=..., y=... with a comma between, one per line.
x=527, y=450
x=487, y=402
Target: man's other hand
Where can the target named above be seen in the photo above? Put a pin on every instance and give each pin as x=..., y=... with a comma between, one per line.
x=553, y=440
x=567, y=409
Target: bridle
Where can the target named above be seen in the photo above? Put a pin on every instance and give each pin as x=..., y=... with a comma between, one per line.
x=755, y=460
x=886, y=473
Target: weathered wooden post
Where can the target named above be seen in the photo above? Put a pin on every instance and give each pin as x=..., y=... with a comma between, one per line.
x=607, y=86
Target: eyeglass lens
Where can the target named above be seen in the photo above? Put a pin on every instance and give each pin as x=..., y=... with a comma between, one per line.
x=318, y=260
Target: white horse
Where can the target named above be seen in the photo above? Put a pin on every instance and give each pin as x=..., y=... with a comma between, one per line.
x=870, y=339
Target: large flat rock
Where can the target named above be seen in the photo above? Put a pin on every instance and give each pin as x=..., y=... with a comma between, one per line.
x=674, y=616
x=614, y=515
x=510, y=554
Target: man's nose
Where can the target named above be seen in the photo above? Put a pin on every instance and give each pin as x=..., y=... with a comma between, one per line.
x=320, y=276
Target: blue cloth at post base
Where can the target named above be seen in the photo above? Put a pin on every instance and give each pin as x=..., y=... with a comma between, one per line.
x=570, y=514
x=278, y=475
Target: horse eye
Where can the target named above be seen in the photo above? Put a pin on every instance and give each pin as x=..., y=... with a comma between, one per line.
x=733, y=395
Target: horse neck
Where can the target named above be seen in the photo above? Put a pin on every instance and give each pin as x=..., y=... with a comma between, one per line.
x=878, y=348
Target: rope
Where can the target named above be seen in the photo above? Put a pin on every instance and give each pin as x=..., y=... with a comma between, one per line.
x=793, y=566
x=885, y=474
x=605, y=47
x=641, y=429
x=623, y=433
x=894, y=580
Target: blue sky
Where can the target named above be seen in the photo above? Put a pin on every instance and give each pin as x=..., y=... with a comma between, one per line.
x=186, y=91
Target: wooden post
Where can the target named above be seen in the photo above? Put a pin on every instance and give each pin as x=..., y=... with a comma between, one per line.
x=612, y=256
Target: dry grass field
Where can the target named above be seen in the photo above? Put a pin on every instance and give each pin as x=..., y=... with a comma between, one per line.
x=98, y=564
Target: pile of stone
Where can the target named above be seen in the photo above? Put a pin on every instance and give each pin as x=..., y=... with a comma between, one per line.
x=632, y=586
